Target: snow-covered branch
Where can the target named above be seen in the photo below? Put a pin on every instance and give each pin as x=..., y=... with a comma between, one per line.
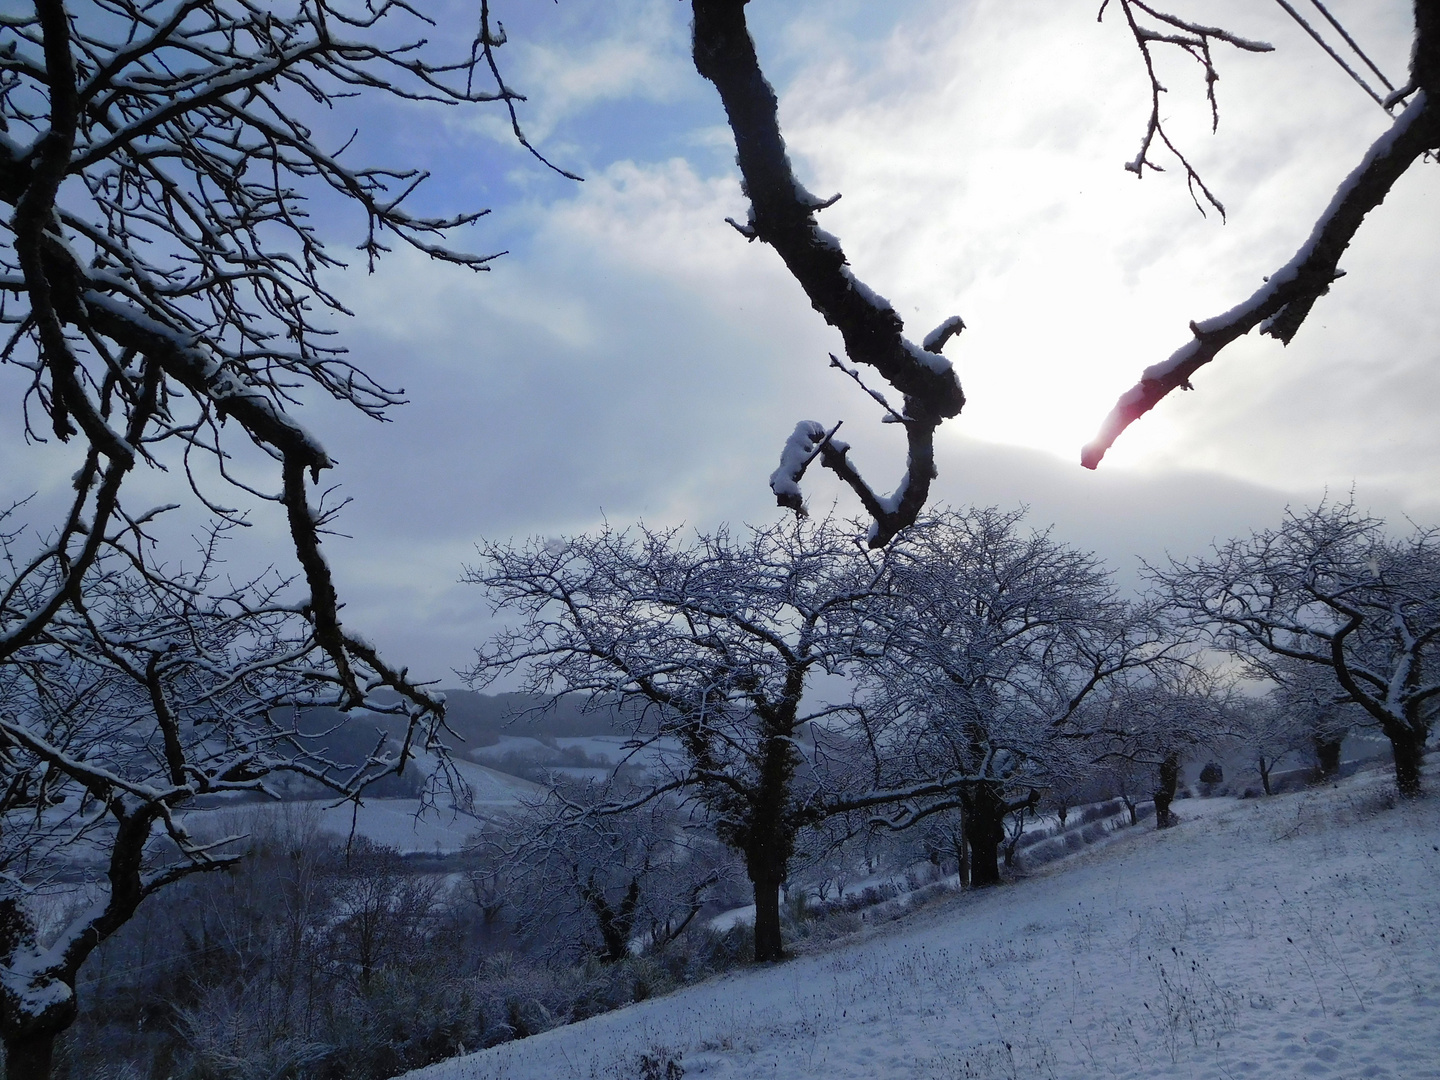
x=1194, y=40
x=782, y=214
x=1281, y=304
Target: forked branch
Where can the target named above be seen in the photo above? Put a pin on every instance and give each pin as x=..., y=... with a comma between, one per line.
x=1194, y=40
x=782, y=214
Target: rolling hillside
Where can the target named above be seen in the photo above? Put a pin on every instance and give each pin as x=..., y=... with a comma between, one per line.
x=1284, y=937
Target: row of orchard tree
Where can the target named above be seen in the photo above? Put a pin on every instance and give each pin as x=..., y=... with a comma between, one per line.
x=802, y=684
x=791, y=687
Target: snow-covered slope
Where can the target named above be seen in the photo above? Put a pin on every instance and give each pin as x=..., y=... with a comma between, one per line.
x=1286, y=937
x=492, y=788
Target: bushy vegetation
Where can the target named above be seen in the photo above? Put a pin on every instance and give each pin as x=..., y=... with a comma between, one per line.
x=324, y=961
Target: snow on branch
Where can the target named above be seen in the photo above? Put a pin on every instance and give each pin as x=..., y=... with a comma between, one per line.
x=805, y=442
x=176, y=286
x=782, y=214
x=935, y=340
x=1281, y=304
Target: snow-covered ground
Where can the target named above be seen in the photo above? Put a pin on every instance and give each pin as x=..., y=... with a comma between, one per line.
x=1297, y=936
x=491, y=787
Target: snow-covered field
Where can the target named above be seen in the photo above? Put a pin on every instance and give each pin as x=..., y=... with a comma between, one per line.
x=490, y=787
x=1297, y=936
x=405, y=824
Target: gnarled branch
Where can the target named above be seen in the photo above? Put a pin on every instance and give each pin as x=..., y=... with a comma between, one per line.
x=782, y=214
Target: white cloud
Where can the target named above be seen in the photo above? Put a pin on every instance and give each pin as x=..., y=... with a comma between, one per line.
x=979, y=148
x=633, y=356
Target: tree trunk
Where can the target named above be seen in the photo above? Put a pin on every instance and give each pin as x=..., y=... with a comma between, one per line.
x=1408, y=749
x=1265, y=774
x=615, y=925
x=1328, y=752
x=768, y=943
x=962, y=855
x=29, y=1057
x=1012, y=843
x=1165, y=793
x=1132, y=808
x=985, y=832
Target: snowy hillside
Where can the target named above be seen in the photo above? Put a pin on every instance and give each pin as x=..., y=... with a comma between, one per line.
x=1293, y=936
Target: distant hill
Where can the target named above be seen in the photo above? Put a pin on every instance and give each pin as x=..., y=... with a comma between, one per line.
x=481, y=718
x=478, y=719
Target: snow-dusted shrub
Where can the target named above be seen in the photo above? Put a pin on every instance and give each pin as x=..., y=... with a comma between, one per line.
x=929, y=894
x=1031, y=838
x=314, y=966
x=1102, y=810
x=660, y=1063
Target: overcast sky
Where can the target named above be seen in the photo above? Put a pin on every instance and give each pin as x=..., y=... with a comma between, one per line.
x=632, y=357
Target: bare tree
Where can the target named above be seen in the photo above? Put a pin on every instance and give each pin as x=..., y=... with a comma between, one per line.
x=1129, y=781
x=378, y=908
x=594, y=883
x=1306, y=715
x=154, y=691
x=1155, y=722
x=1266, y=733
x=1318, y=705
x=1283, y=302
x=712, y=649
x=1330, y=587
x=993, y=646
x=782, y=214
